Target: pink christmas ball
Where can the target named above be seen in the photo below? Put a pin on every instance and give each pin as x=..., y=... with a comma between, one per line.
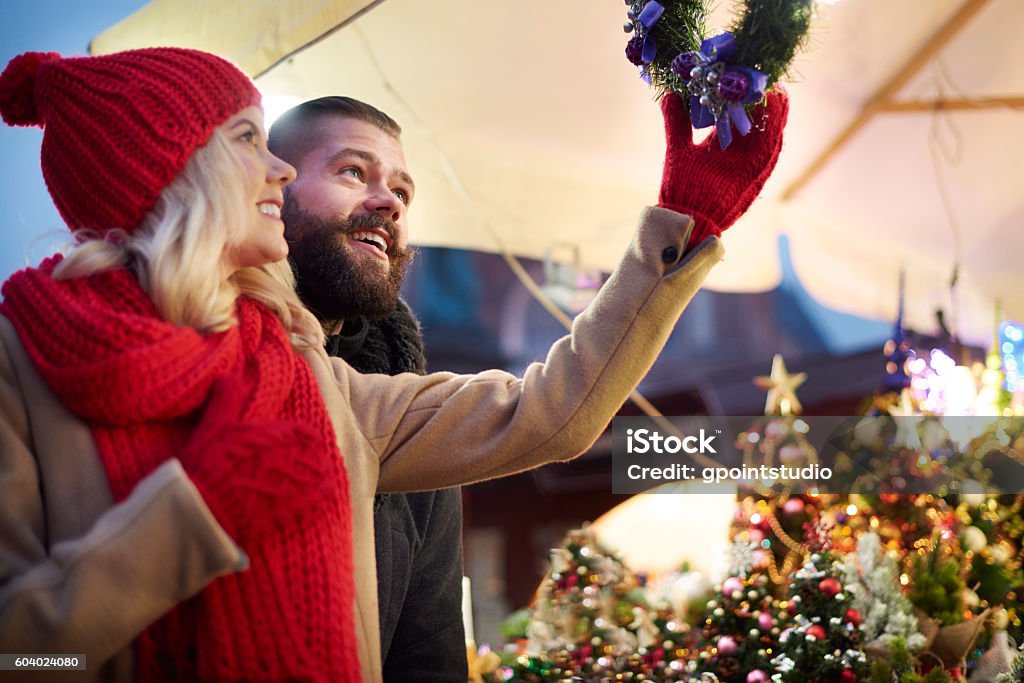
x=793, y=506
x=765, y=621
x=757, y=676
x=727, y=645
x=731, y=585
x=790, y=454
x=756, y=535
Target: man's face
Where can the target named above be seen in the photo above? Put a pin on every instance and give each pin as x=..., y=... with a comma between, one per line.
x=345, y=220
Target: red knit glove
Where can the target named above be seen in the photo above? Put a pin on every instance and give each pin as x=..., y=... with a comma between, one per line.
x=257, y=477
x=712, y=185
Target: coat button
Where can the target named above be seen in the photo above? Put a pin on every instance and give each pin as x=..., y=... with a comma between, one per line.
x=670, y=255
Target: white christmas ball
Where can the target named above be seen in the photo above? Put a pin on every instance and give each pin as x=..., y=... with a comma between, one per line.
x=974, y=539
x=999, y=554
x=972, y=493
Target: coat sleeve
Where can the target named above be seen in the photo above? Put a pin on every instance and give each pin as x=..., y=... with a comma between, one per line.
x=75, y=580
x=444, y=429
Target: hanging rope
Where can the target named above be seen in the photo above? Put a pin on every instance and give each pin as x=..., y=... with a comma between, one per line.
x=952, y=156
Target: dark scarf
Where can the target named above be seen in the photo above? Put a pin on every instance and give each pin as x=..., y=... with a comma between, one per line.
x=389, y=346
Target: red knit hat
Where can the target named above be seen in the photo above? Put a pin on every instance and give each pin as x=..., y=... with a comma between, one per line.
x=118, y=128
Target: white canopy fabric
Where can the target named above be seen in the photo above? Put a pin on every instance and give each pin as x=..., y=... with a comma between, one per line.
x=526, y=129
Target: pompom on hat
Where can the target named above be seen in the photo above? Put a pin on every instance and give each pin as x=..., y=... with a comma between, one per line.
x=118, y=128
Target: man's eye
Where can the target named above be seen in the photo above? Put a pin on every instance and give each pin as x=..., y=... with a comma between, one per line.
x=402, y=195
x=352, y=171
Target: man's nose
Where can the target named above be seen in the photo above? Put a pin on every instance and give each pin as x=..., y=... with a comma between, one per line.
x=385, y=203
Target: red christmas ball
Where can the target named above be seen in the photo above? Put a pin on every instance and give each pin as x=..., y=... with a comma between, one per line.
x=830, y=586
x=817, y=631
x=853, y=616
x=847, y=676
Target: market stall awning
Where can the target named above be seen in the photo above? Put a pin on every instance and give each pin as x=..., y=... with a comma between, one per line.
x=527, y=130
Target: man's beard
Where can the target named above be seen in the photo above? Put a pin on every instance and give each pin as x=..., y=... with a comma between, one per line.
x=335, y=283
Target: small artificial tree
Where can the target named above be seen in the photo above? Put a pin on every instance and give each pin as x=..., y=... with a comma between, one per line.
x=741, y=624
x=823, y=643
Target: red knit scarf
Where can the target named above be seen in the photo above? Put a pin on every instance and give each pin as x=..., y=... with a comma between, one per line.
x=142, y=384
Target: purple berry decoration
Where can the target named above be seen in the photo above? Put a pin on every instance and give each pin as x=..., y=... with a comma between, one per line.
x=634, y=50
x=733, y=86
x=683, y=64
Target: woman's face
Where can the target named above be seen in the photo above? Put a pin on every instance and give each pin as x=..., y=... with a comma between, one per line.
x=263, y=176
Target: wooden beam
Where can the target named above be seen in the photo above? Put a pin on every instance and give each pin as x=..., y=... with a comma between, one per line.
x=966, y=104
x=880, y=99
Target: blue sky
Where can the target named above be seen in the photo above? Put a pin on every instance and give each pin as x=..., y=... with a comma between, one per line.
x=64, y=26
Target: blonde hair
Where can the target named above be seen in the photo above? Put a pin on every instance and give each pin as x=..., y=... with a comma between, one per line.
x=177, y=253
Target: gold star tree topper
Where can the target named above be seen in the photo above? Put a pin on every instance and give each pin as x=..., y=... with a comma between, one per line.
x=781, y=387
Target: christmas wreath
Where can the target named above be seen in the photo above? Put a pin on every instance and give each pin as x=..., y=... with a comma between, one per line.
x=724, y=75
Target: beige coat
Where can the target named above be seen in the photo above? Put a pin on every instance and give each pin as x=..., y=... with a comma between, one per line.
x=80, y=575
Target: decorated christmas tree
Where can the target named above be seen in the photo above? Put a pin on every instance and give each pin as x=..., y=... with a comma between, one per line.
x=897, y=350
x=592, y=620
x=771, y=515
x=871, y=578
x=741, y=625
x=822, y=644
x=990, y=538
x=993, y=396
x=937, y=584
x=775, y=524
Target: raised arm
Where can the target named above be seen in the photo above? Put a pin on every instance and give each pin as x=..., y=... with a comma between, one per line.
x=446, y=429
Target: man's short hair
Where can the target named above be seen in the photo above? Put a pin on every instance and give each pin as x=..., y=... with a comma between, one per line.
x=297, y=131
